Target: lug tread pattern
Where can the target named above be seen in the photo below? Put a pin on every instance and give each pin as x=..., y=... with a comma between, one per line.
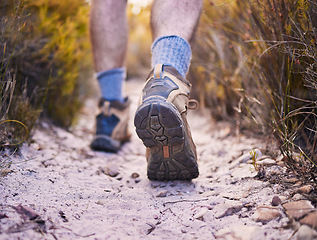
x=161, y=128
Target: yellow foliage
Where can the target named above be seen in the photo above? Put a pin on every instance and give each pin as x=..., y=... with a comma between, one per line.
x=63, y=25
x=302, y=13
x=140, y=40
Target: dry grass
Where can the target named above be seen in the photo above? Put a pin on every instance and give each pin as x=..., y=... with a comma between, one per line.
x=256, y=67
x=13, y=132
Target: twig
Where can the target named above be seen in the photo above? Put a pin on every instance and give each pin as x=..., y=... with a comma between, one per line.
x=78, y=235
x=185, y=200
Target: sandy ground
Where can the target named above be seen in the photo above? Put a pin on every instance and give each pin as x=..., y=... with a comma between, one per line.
x=59, y=189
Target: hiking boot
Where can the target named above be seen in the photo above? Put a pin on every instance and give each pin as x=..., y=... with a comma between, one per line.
x=161, y=124
x=112, y=126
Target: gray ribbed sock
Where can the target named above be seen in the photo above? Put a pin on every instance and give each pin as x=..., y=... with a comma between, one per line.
x=172, y=51
x=110, y=83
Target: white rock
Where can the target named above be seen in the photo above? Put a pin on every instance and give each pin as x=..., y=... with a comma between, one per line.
x=241, y=232
x=298, y=209
x=298, y=197
x=227, y=209
x=200, y=214
x=306, y=189
x=112, y=170
x=266, y=162
x=266, y=214
x=243, y=171
x=162, y=194
x=305, y=233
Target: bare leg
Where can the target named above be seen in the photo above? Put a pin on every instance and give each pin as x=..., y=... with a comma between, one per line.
x=109, y=33
x=175, y=17
x=160, y=119
x=109, y=36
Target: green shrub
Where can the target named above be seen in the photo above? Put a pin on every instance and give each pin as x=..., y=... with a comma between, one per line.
x=255, y=65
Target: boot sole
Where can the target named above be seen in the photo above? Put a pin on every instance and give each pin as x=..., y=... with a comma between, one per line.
x=105, y=143
x=161, y=128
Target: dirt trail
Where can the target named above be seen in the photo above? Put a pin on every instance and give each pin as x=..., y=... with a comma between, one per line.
x=81, y=194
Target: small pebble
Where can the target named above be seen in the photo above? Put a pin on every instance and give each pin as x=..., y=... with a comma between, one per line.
x=276, y=201
x=111, y=171
x=135, y=175
x=306, y=189
x=266, y=214
x=162, y=194
x=297, y=197
x=200, y=214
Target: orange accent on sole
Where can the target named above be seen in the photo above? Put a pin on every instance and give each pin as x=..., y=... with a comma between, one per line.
x=166, y=152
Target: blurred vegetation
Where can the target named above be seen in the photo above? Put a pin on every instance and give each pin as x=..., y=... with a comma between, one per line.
x=140, y=40
x=65, y=54
x=45, y=58
x=254, y=65
x=46, y=61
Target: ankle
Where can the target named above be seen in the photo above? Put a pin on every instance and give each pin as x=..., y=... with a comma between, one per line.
x=172, y=51
x=111, y=84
